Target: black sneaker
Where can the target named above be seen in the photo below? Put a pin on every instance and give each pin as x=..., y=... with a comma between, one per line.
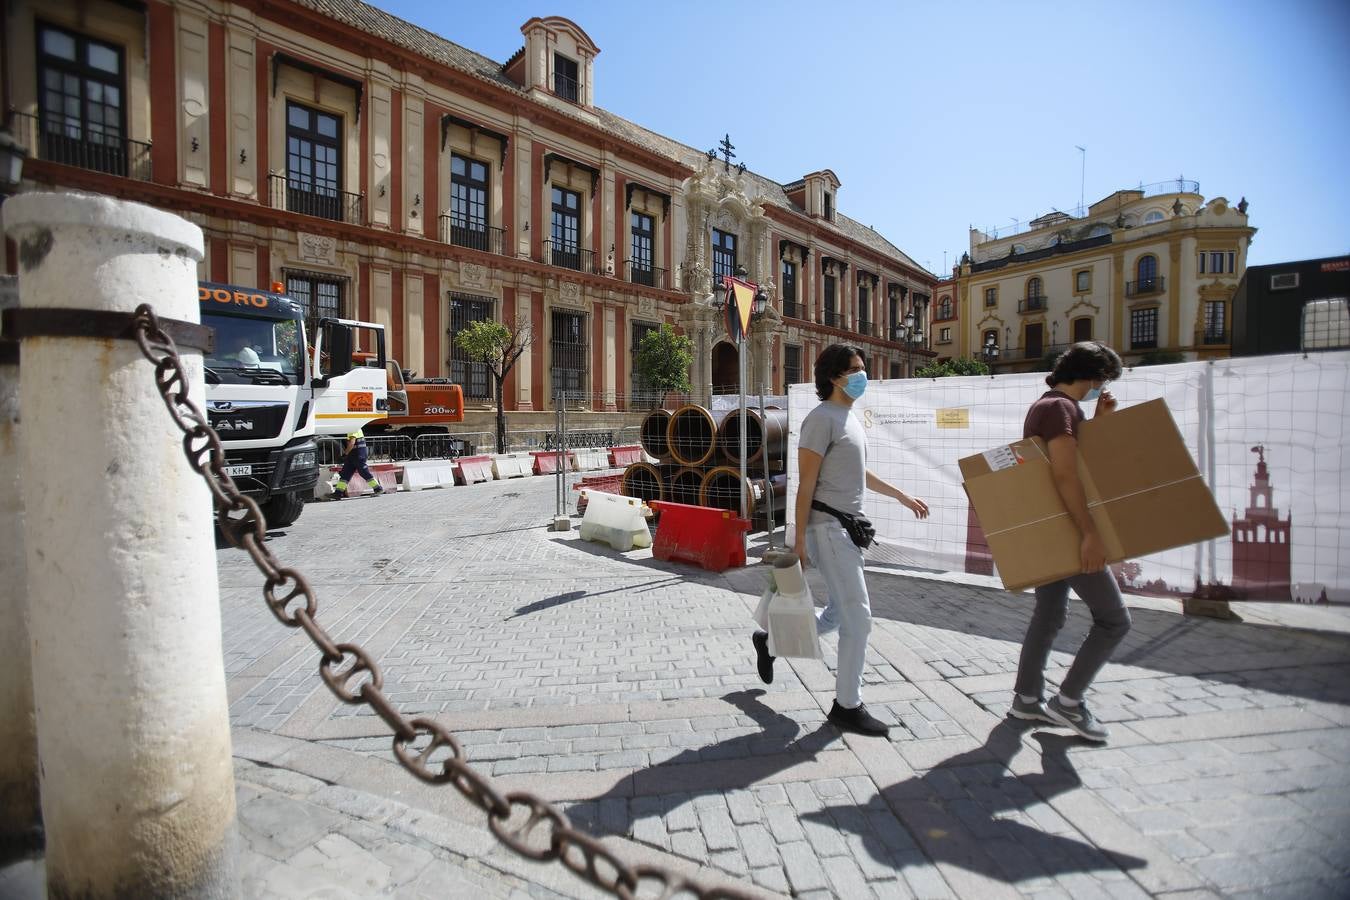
x=1077, y=718
x=339, y=495
x=857, y=720
x=761, y=641
x=1030, y=712
x=379, y=489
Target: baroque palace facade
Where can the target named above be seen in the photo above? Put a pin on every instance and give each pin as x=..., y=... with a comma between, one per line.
x=1148, y=271
x=383, y=173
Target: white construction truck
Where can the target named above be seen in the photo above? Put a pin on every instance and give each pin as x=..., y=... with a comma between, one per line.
x=270, y=391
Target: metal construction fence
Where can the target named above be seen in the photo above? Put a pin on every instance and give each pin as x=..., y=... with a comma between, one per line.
x=401, y=447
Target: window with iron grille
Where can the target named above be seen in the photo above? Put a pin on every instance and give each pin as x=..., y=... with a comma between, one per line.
x=864, y=305
x=566, y=83
x=81, y=114
x=643, y=394
x=789, y=288
x=569, y=346
x=320, y=294
x=468, y=202
x=792, y=364
x=723, y=254
x=566, y=228
x=474, y=378
x=313, y=162
x=1082, y=329
x=830, y=309
x=641, y=255
x=1144, y=328
x=1215, y=319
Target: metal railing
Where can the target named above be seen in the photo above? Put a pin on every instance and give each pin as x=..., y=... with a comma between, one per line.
x=794, y=310
x=401, y=448
x=72, y=144
x=648, y=275
x=569, y=256
x=1209, y=337
x=475, y=237
x=1145, y=286
x=866, y=328
x=1173, y=186
x=834, y=319
x=317, y=201
x=567, y=88
x=1031, y=304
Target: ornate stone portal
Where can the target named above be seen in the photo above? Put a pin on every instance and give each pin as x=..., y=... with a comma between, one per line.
x=716, y=197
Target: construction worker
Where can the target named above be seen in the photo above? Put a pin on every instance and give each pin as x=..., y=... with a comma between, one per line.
x=354, y=461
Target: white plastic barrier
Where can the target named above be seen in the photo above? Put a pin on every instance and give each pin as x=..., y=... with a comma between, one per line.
x=430, y=473
x=591, y=459
x=512, y=465
x=615, y=520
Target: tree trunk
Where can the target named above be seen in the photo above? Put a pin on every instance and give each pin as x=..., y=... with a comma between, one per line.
x=501, y=416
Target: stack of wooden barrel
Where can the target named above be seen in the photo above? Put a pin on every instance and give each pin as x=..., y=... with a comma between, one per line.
x=698, y=458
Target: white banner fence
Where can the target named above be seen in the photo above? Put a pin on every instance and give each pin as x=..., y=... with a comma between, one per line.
x=1280, y=423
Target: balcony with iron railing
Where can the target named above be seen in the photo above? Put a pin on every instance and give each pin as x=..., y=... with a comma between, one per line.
x=473, y=235
x=1033, y=303
x=793, y=310
x=1211, y=337
x=569, y=256
x=650, y=276
x=67, y=143
x=567, y=88
x=310, y=199
x=1145, y=286
x=834, y=319
x=866, y=328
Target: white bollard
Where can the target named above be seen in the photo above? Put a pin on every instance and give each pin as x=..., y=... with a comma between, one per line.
x=20, y=814
x=128, y=678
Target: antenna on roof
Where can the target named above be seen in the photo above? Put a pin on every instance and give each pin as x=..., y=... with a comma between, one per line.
x=1082, y=176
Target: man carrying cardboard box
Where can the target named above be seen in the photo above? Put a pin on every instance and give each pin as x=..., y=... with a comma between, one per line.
x=1080, y=374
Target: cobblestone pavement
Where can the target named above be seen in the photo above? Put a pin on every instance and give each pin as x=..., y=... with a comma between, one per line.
x=625, y=689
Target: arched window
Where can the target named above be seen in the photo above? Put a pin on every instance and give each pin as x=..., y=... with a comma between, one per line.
x=945, y=308
x=1152, y=216
x=1034, y=288
x=1146, y=270
x=1099, y=230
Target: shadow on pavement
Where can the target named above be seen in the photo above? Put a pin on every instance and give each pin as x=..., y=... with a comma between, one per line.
x=951, y=811
x=571, y=596
x=971, y=813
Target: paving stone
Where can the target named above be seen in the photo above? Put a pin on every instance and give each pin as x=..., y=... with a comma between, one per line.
x=803, y=870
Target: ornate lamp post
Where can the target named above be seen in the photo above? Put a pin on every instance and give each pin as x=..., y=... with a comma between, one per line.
x=12, y=155
x=911, y=335
x=990, y=350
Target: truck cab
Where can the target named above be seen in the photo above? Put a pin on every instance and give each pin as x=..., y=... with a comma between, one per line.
x=269, y=392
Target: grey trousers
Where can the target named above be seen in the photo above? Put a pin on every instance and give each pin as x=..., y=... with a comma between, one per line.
x=1110, y=623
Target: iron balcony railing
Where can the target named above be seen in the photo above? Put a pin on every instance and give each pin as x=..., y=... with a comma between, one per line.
x=648, y=275
x=569, y=256
x=567, y=88
x=1210, y=337
x=793, y=310
x=1145, y=286
x=473, y=235
x=867, y=328
x=311, y=199
x=1031, y=304
x=834, y=319
x=69, y=143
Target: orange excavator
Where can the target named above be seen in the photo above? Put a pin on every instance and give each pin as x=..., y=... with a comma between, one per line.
x=417, y=406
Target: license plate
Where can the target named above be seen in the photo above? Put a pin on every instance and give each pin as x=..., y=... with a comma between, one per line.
x=232, y=471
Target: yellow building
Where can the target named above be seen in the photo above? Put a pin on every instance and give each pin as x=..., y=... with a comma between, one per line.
x=1148, y=271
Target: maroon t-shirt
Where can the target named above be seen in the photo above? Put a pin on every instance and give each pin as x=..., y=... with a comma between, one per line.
x=1055, y=414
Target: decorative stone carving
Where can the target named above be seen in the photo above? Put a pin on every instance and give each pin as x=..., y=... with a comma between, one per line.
x=646, y=306
x=569, y=293
x=473, y=275
x=317, y=248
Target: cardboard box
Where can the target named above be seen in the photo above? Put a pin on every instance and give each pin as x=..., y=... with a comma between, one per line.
x=1143, y=491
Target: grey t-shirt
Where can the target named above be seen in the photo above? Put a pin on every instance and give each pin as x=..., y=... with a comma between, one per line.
x=836, y=434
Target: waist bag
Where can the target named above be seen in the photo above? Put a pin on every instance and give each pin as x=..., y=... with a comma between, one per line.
x=859, y=529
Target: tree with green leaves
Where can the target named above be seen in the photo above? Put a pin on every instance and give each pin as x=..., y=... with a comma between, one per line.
x=959, y=366
x=500, y=346
x=663, y=361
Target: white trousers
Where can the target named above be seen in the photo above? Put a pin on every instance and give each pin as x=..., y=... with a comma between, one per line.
x=847, y=608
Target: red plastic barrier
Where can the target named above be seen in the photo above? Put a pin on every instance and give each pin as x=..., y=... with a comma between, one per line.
x=546, y=461
x=473, y=469
x=708, y=537
x=624, y=456
x=387, y=474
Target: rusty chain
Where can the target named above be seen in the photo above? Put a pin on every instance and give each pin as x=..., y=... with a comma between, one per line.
x=528, y=824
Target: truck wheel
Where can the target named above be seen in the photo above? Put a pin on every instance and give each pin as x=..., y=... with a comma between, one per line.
x=283, y=509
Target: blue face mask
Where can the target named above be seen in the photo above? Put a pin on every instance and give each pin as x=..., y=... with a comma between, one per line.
x=1092, y=394
x=856, y=384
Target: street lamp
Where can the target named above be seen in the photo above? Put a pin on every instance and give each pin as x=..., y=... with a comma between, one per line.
x=12, y=154
x=911, y=335
x=990, y=349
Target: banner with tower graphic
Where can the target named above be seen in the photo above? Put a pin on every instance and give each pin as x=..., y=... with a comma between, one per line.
x=1271, y=436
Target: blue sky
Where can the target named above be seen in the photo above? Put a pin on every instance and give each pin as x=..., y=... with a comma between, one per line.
x=939, y=116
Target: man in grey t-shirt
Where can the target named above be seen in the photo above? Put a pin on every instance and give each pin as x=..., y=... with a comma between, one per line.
x=832, y=469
